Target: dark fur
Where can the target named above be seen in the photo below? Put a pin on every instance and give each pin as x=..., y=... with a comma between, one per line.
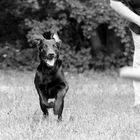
x=50, y=83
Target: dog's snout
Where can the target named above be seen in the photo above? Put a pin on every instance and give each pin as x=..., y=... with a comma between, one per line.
x=51, y=55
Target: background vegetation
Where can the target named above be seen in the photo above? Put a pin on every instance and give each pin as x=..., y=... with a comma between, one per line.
x=93, y=35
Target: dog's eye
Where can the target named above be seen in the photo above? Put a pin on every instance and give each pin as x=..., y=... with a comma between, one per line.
x=46, y=46
x=57, y=45
x=54, y=46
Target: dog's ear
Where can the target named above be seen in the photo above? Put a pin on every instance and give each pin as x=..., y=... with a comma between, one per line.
x=57, y=39
x=38, y=39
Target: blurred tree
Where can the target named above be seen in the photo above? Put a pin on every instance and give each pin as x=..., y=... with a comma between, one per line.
x=94, y=35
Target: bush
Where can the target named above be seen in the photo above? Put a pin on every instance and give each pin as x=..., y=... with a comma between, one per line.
x=77, y=21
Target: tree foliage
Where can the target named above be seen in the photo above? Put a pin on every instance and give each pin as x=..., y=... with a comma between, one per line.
x=77, y=21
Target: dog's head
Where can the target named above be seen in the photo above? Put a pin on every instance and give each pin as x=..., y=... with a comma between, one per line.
x=49, y=49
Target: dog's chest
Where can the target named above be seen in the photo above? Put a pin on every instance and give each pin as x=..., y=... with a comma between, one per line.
x=46, y=79
x=49, y=81
x=50, y=86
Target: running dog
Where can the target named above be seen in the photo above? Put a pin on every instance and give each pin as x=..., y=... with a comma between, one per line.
x=50, y=81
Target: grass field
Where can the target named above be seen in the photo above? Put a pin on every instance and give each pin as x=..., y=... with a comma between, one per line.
x=98, y=106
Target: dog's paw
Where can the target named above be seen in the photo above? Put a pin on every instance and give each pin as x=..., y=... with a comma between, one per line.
x=59, y=119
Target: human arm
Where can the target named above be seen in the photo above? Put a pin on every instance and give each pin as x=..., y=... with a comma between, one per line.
x=124, y=11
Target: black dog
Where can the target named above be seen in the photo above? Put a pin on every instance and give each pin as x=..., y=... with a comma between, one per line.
x=49, y=80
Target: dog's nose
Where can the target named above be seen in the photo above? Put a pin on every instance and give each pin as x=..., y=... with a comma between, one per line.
x=51, y=55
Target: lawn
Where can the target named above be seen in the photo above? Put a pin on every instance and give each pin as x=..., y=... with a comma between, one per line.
x=98, y=106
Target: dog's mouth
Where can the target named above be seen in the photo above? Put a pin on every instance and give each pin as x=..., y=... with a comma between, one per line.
x=50, y=60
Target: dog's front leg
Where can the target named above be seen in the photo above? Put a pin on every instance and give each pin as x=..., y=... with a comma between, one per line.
x=44, y=105
x=59, y=103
